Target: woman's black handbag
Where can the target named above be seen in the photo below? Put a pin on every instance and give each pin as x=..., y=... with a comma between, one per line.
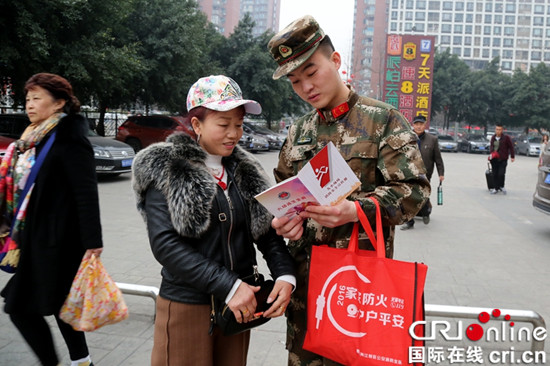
x=223, y=317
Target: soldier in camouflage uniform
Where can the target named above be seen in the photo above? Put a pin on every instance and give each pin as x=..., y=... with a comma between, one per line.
x=374, y=138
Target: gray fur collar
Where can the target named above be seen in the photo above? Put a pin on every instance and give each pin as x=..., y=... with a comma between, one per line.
x=176, y=168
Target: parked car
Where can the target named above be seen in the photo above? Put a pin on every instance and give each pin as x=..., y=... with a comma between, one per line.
x=4, y=143
x=474, y=144
x=142, y=131
x=541, y=198
x=447, y=143
x=13, y=125
x=274, y=139
x=111, y=157
x=528, y=145
x=253, y=142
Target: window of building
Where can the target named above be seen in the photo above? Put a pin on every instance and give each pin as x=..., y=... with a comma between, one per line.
x=408, y=15
x=548, y=32
x=467, y=52
x=477, y=41
x=447, y=17
x=485, y=53
x=537, y=32
x=522, y=55
x=498, y=19
x=433, y=17
x=458, y=29
x=478, y=29
x=457, y=40
x=410, y=4
x=479, y=18
x=523, y=32
x=522, y=43
x=509, y=19
x=536, y=43
x=498, y=7
x=488, y=19
x=394, y=15
x=395, y=4
x=508, y=31
x=420, y=15
x=447, y=5
x=419, y=27
x=445, y=28
x=538, y=21
x=469, y=18
x=479, y=7
x=525, y=8
x=468, y=41
x=445, y=39
x=489, y=6
x=487, y=30
x=495, y=53
x=547, y=56
x=459, y=6
x=408, y=27
x=486, y=41
x=434, y=5
x=496, y=42
x=507, y=54
x=497, y=31
x=470, y=6
x=459, y=17
x=510, y=8
x=421, y=4
x=457, y=51
x=468, y=29
x=536, y=55
x=547, y=44
x=433, y=27
x=508, y=42
x=393, y=27
x=538, y=9
x=506, y=65
x=524, y=20
x=476, y=52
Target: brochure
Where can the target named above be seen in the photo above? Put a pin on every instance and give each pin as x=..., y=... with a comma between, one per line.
x=325, y=180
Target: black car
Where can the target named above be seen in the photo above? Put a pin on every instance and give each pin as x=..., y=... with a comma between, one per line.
x=111, y=156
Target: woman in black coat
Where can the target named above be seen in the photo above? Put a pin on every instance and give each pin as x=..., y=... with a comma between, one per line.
x=62, y=222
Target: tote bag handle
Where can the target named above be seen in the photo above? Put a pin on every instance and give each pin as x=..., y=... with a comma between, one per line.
x=377, y=240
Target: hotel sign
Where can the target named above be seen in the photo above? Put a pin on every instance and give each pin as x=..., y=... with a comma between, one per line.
x=409, y=74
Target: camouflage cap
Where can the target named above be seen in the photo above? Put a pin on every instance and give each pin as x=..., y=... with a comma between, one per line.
x=292, y=46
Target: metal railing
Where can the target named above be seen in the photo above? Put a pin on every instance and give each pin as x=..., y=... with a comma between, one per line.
x=444, y=311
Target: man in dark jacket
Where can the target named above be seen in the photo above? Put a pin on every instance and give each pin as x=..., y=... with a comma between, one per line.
x=501, y=148
x=431, y=155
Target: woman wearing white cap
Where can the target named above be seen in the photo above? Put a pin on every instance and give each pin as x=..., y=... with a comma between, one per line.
x=197, y=198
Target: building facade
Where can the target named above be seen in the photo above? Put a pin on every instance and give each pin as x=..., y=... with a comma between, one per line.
x=225, y=14
x=477, y=31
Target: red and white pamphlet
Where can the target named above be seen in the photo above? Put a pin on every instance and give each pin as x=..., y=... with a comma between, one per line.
x=325, y=180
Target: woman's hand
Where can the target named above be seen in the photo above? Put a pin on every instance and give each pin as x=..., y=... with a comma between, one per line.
x=332, y=216
x=243, y=303
x=281, y=294
x=290, y=229
x=97, y=252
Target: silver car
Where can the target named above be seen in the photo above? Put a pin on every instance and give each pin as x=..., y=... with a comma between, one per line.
x=529, y=145
x=541, y=198
x=447, y=143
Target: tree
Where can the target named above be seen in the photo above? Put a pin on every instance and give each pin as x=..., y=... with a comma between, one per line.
x=450, y=73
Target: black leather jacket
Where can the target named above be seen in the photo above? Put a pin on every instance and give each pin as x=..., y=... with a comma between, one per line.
x=203, y=239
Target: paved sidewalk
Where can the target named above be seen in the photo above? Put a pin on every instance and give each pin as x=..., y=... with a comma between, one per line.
x=482, y=250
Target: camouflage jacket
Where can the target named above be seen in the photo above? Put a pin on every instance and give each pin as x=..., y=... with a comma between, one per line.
x=380, y=147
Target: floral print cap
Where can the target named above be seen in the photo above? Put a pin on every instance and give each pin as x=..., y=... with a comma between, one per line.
x=219, y=93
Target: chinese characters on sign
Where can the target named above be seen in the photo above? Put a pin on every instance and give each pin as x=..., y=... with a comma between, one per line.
x=409, y=74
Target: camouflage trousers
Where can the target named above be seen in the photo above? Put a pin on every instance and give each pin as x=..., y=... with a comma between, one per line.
x=297, y=311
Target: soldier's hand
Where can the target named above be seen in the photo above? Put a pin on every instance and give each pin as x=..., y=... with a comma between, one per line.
x=332, y=216
x=290, y=229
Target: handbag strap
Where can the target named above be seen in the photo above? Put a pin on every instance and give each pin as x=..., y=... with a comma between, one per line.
x=376, y=240
x=32, y=175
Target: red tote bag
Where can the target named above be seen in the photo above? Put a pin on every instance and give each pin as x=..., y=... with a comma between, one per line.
x=361, y=304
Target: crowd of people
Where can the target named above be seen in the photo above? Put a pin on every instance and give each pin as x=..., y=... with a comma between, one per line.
x=196, y=196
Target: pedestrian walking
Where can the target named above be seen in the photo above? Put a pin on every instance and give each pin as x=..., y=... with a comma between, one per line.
x=501, y=148
x=61, y=223
x=374, y=138
x=431, y=155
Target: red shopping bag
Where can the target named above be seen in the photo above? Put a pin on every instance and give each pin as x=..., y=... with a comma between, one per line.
x=361, y=304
